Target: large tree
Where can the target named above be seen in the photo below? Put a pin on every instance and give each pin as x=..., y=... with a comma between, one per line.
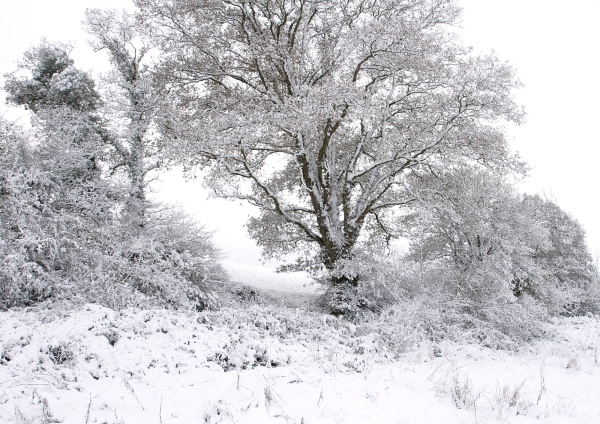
x=317, y=112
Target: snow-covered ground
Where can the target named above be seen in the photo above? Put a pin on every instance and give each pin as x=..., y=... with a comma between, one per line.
x=294, y=289
x=263, y=364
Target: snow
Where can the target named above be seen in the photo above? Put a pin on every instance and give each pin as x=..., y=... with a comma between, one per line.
x=95, y=365
x=294, y=289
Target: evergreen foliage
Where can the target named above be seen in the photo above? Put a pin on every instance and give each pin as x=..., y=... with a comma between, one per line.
x=54, y=81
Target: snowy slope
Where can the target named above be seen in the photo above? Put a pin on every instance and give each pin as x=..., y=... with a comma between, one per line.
x=269, y=365
x=294, y=289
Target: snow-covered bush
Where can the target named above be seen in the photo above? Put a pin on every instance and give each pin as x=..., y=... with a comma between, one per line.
x=46, y=205
x=435, y=318
x=62, y=236
x=172, y=259
x=480, y=263
x=427, y=302
x=66, y=215
x=170, y=263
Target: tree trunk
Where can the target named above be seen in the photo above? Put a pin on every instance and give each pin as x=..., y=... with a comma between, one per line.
x=343, y=285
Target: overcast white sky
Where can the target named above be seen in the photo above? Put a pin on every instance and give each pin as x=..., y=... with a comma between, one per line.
x=553, y=44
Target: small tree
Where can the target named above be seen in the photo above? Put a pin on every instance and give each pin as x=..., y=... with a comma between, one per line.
x=317, y=112
x=474, y=221
x=565, y=258
x=131, y=104
x=499, y=243
x=165, y=244
x=472, y=244
x=53, y=81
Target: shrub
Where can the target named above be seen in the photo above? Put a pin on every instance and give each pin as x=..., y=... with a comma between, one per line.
x=432, y=303
x=62, y=236
x=61, y=353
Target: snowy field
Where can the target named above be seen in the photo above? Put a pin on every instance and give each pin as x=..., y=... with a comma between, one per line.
x=294, y=289
x=272, y=364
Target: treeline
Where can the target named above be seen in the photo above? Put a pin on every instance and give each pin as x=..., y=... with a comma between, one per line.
x=347, y=123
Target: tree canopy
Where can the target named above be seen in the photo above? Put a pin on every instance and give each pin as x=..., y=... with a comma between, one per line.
x=318, y=112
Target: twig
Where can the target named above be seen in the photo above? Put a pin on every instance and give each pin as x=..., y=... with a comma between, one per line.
x=126, y=383
x=542, y=386
x=87, y=415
